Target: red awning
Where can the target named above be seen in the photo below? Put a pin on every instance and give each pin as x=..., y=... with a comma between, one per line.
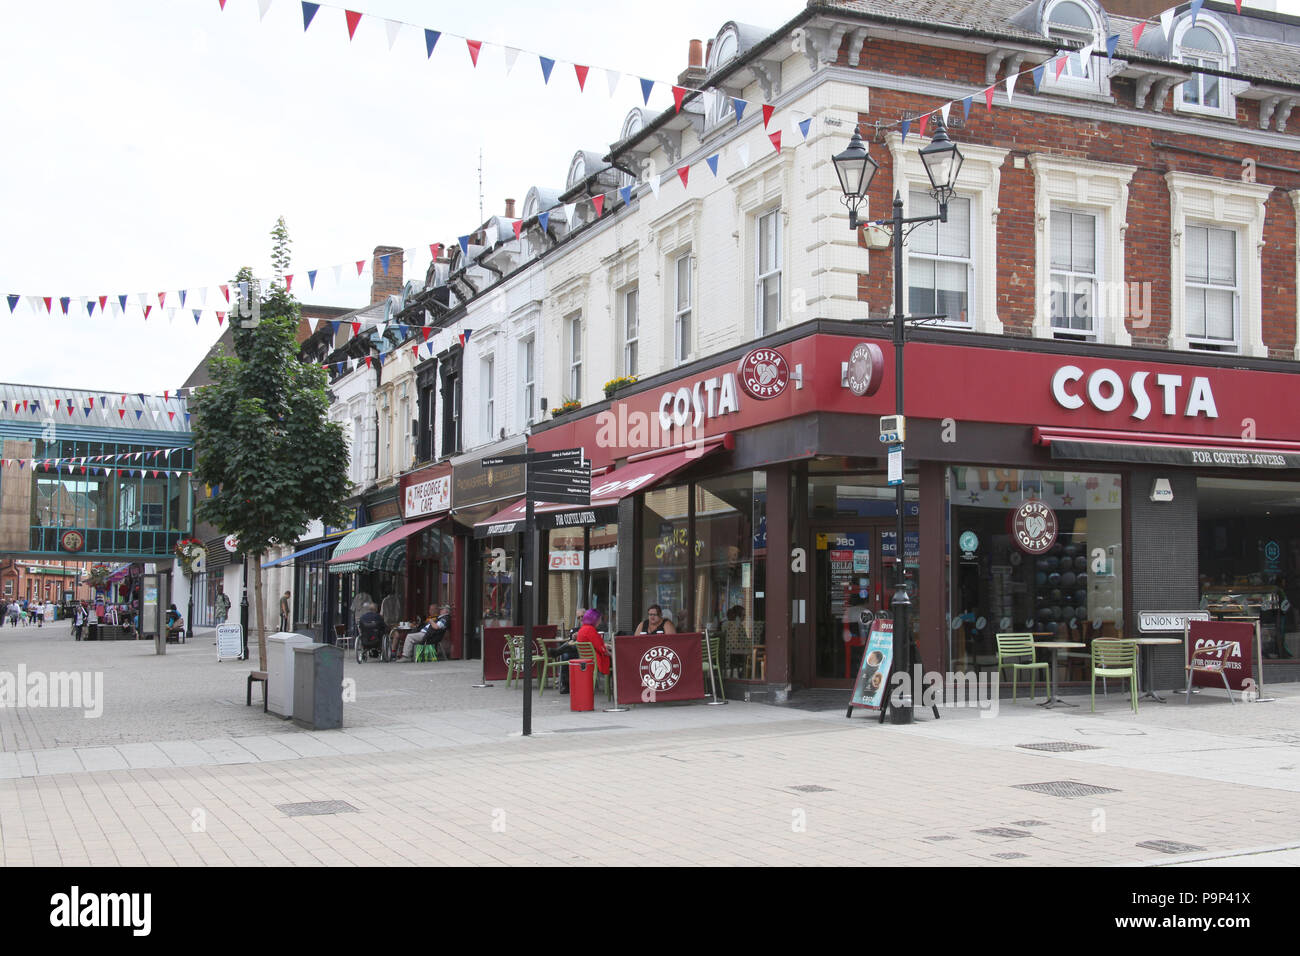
x=384, y=540
x=606, y=491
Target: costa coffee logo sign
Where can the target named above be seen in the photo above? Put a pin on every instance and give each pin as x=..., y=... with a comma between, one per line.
x=1106, y=391
x=763, y=374
x=1033, y=526
x=660, y=668
x=866, y=367
x=708, y=399
x=72, y=541
x=428, y=497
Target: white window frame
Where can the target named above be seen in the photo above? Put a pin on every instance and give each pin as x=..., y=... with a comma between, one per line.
x=980, y=181
x=1193, y=285
x=773, y=214
x=1072, y=277
x=683, y=314
x=629, y=326
x=1096, y=80
x=487, y=386
x=1224, y=61
x=1101, y=189
x=1224, y=204
x=528, y=380
x=573, y=355
x=913, y=253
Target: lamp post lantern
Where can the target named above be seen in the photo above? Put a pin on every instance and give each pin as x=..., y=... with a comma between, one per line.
x=855, y=169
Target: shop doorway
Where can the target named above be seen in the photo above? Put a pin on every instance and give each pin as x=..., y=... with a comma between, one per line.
x=855, y=574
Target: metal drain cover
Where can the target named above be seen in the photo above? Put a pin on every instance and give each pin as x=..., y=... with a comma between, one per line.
x=1006, y=832
x=1170, y=846
x=810, y=788
x=316, y=808
x=1057, y=746
x=1011, y=856
x=1065, y=788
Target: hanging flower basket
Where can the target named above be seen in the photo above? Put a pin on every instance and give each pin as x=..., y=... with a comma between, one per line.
x=188, y=550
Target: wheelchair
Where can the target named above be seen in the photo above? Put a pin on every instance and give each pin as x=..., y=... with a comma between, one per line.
x=373, y=643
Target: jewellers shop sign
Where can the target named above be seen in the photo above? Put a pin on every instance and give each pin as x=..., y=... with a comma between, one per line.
x=428, y=497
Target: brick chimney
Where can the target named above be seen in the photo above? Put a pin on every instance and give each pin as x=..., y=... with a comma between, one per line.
x=382, y=286
x=693, y=75
x=510, y=209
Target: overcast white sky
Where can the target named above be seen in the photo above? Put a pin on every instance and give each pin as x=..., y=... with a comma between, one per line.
x=150, y=146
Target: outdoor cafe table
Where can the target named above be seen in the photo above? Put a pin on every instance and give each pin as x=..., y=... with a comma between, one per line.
x=1147, y=678
x=496, y=651
x=659, y=667
x=1054, y=646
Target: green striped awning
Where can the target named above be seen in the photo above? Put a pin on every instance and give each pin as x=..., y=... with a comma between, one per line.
x=355, y=540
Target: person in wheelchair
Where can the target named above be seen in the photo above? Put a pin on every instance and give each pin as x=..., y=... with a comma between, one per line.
x=372, y=634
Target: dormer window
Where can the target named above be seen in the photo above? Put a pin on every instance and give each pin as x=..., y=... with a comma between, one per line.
x=1074, y=24
x=1204, y=45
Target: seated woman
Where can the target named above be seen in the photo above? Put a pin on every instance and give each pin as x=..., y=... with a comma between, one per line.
x=655, y=622
x=175, y=623
x=587, y=634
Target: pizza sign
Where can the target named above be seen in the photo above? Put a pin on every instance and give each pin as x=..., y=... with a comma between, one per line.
x=763, y=373
x=1034, y=527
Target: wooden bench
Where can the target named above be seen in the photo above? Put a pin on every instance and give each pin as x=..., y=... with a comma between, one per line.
x=256, y=676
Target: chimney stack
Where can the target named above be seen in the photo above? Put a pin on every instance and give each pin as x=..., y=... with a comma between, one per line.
x=693, y=75
x=510, y=209
x=381, y=285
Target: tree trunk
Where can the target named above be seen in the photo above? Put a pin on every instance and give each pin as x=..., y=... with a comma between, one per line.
x=261, y=611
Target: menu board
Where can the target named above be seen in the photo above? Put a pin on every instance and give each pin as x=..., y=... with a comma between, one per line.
x=873, y=674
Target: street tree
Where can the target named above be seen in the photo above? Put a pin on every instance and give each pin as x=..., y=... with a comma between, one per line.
x=262, y=436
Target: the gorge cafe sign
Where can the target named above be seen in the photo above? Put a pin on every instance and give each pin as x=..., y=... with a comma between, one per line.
x=428, y=497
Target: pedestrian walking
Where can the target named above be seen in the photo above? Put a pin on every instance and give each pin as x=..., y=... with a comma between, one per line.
x=286, y=612
x=222, y=604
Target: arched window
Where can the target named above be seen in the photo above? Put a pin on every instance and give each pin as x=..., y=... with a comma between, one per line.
x=725, y=48
x=1074, y=24
x=1205, y=45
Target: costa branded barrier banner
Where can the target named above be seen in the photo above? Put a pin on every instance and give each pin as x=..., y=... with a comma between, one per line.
x=658, y=667
x=496, y=652
x=1237, y=659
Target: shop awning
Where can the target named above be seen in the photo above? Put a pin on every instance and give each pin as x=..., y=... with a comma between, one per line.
x=298, y=554
x=1155, y=448
x=606, y=492
x=356, y=539
x=370, y=554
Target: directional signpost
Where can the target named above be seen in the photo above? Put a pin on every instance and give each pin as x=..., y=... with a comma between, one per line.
x=554, y=477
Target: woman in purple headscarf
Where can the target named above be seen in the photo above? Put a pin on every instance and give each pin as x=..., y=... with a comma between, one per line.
x=587, y=634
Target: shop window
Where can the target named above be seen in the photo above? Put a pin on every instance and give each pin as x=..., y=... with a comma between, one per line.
x=499, y=563
x=1009, y=573
x=665, y=553
x=1249, y=557
x=564, y=566
x=729, y=511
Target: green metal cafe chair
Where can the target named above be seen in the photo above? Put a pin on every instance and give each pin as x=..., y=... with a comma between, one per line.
x=1112, y=657
x=1017, y=651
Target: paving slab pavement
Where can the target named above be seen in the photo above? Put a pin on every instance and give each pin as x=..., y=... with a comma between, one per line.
x=430, y=770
